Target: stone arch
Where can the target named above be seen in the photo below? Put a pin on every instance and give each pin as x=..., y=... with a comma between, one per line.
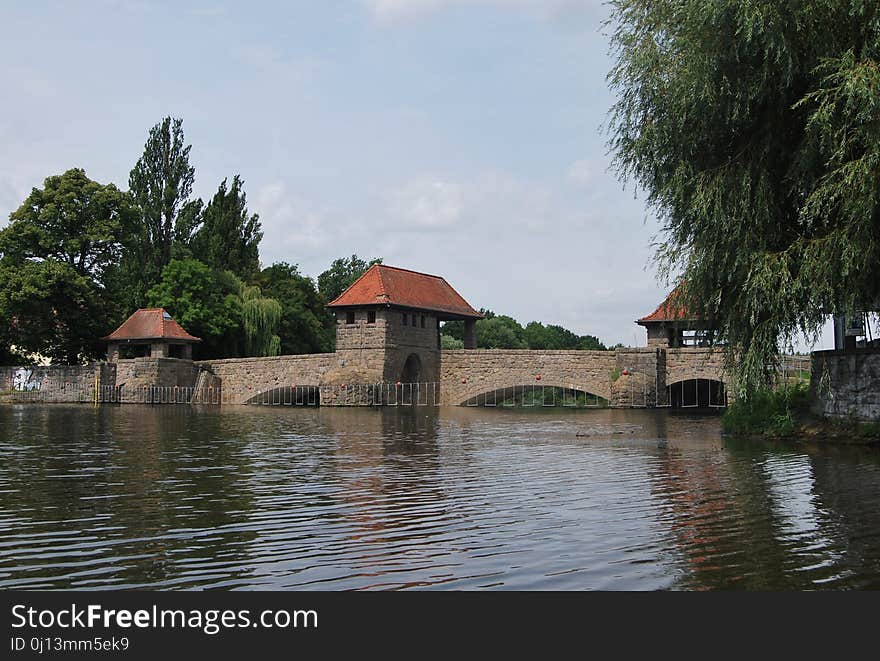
x=483, y=394
x=698, y=392
x=287, y=396
x=688, y=372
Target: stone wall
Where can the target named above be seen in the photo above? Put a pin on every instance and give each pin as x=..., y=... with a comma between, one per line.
x=244, y=378
x=138, y=373
x=846, y=384
x=466, y=373
x=377, y=351
x=694, y=363
x=625, y=377
x=54, y=383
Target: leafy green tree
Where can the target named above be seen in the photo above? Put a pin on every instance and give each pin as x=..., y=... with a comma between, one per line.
x=552, y=337
x=306, y=325
x=228, y=238
x=454, y=330
x=232, y=318
x=260, y=318
x=59, y=256
x=754, y=129
x=53, y=310
x=206, y=302
x=539, y=336
x=160, y=183
x=591, y=343
x=342, y=274
x=449, y=342
x=72, y=219
x=500, y=332
x=503, y=332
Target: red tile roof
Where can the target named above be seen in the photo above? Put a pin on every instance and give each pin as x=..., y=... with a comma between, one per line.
x=668, y=310
x=150, y=324
x=389, y=285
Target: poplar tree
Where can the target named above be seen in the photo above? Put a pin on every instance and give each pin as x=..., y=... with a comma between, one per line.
x=160, y=184
x=229, y=237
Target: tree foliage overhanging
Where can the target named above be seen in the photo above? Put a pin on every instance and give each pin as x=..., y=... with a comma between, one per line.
x=754, y=129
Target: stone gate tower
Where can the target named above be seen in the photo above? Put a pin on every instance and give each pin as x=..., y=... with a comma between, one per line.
x=388, y=326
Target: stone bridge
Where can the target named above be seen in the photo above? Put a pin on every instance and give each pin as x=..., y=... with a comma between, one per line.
x=623, y=378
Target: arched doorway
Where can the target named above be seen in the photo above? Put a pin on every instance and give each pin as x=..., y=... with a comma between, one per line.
x=412, y=369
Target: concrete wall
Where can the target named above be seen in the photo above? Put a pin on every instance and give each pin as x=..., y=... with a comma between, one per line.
x=846, y=384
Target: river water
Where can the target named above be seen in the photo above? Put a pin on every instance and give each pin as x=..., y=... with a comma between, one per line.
x=454, y=498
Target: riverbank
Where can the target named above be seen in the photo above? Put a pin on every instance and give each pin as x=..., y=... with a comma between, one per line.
x=785, y=414
x=836, y=430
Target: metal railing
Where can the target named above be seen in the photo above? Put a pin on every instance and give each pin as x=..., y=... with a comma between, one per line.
x=374, y=394
x=793, y=370
x=41, y=385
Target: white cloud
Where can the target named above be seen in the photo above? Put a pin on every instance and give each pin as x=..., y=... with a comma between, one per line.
x=290, y=224
x=424, y=203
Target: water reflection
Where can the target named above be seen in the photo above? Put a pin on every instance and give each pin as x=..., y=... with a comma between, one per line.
x=278, y=497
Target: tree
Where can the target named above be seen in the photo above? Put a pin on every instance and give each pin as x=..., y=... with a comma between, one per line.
x=228, y=238
x=73, y=220
x=60, y=253
x=160, y=183
x=260, y=317
x=503, y=332
x=342, y=274
x=231, y=318
x=449, y=342
x=591, y=343
x=53, y=310
x=500, y=332
x=754, y=130
x=306, y=325
x=206, y=302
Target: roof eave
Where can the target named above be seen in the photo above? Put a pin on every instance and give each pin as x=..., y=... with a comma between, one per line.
x=190, y=340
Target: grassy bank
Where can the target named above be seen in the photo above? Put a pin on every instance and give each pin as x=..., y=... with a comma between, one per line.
x=785, y=413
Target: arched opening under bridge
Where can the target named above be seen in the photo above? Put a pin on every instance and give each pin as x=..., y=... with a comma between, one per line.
x=536, y=395
x=697, y=394
x=288, y=396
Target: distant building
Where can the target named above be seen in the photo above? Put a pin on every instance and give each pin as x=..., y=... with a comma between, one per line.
x=149, y=332
x=672, y=325
x=399, y=312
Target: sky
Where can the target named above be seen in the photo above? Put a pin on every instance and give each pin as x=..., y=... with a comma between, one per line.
x=462, y=138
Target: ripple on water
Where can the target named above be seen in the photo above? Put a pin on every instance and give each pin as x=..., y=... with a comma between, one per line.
x=284, y=498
